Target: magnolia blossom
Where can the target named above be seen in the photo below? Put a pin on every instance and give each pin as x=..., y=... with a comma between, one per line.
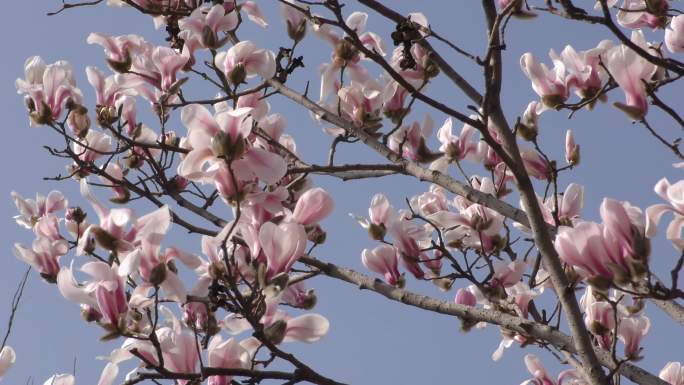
x=147, y=258
x=535, y=164
x=380, y=213
x=572, y=149
x=226, y=354
x=244, y=60
x=313, y=206
x=203, y=27
x=113, y=93
x=224, y=135
x=294, y=19
x=362, y=103
x=48, y=89
x=473, y=225
x=635, y=14
x=674, y=36
x=548, y=84
x=383, y=260
x=7, y=359
x=673, y=373
x=410, y=141
x=43, y=256
x=30, y=211
x=119, y=50
x=615, y=249
x=282, y=245
x=674, y=195
x=111, y=233
x=583, y=69
x=630, y=71
x=465, y=297
x=345, y=55
x=542, y=377
x=631, y=331
x=457, y=148
x=105, y=292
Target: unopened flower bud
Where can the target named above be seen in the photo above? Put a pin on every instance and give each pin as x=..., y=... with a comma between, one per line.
x=296, y=32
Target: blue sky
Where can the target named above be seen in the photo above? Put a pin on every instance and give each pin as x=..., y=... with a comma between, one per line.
x=372, y=341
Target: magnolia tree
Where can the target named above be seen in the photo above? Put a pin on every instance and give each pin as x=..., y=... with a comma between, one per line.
x=513, y=254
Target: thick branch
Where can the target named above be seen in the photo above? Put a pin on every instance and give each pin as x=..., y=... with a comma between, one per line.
x=516, y=324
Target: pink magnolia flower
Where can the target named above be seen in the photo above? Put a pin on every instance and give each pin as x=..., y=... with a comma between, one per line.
x=407, y=237
x=91, y=148
x=105, y=291
x=110, y=234
x=410, y=141
x=344, y=54
x=167, y=62
x=43, y=256
x=535, y=164
x=114, y=92
x=313, y=206
x=548, y=84
x=48, y=89
x=569, y=206
x=457, y=148
x=244, y=60
x=508, y=274
x=119, y=50
x=636, y=14
x=380, y=213
x=203, y=27
x=537, y=369
x=30, y=211
x=7, y=359
x=383, y=260
x=224, y=135
x=672, y=373
x=522, y=295
x=674, y=36
x=431, y=201
x=306, y=328
x=584, y=71
x=465, y=297
x=298, y=296
x=362, y=102
x=394, y=98
x=674, y=195
x=473, y=225
x=226, y=354
x=572, y=149
x=599, y=318
x=179, y=348
x=250, y=8
x=282, y=245
x=147, y=259
x=294, y=19
x=612, y=249
x=631, y=330
x=630, y=71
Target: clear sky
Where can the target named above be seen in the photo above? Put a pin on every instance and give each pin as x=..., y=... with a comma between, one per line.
x=371, y=341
